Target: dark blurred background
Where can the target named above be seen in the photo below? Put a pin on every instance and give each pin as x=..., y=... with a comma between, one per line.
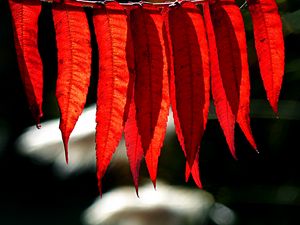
x=260, y=188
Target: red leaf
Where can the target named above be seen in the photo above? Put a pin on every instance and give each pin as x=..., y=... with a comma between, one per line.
x=222, y=104
x=233, y=60
x=169, y=52
x=269, y=46
x=189, y=81
x=130, y=63
x=25, y=22
x=111, y=33
x=74, y=65
x=194, y=171
x=134, y=147
x=151, y=95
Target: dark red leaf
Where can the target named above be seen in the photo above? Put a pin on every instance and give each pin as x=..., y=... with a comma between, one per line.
x=169, y=52
x=74, y=65
x=232, y=53
x=189, y=81
x=111, y=33
x=269, y=46
x=222, y=105
x=130, y=63
x=194, y=171
x=151, y=95
x=134, y=147
x=25, y=21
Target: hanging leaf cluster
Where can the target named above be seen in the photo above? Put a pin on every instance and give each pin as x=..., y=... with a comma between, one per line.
x=152, y=57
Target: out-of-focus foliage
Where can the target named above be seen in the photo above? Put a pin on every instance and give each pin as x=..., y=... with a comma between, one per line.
x=291, y=22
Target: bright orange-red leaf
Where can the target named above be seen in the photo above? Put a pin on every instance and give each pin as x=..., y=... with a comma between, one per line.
x=151, y=96
x=189, y=81
x=233, y=60
x=74, y=65
x=269, y=45
x=25, y=16
x=222, y=105
x=111, y=33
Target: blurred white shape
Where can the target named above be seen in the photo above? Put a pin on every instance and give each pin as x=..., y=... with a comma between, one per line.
x=169, y=205
x=222, y=215
x=166, y=206
x=45, y=144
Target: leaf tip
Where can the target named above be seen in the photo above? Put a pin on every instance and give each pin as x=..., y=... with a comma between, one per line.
x=257, y=151
x=65, y=138
x=198, y=184
x=137, y=191
x=154, y=183
x=274, y=106
x=66, y=155
x=232, y=150
x=136, y=186
x=234, y=156
x=38, y=125
x=276, y=114
x=196, y=174
x=100, y=188
x=187, y=172
x=37, y=114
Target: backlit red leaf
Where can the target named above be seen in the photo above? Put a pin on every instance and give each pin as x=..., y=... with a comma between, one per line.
x=111, y=33
x=189, y=81
x=223, y=109
x=130, y=63
x=269, y=46
x=233, y=61
x=151, y=96
x=148, y=57
x=25, y=16
x=74, y=65
x=134, y=147
x=194, y=171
